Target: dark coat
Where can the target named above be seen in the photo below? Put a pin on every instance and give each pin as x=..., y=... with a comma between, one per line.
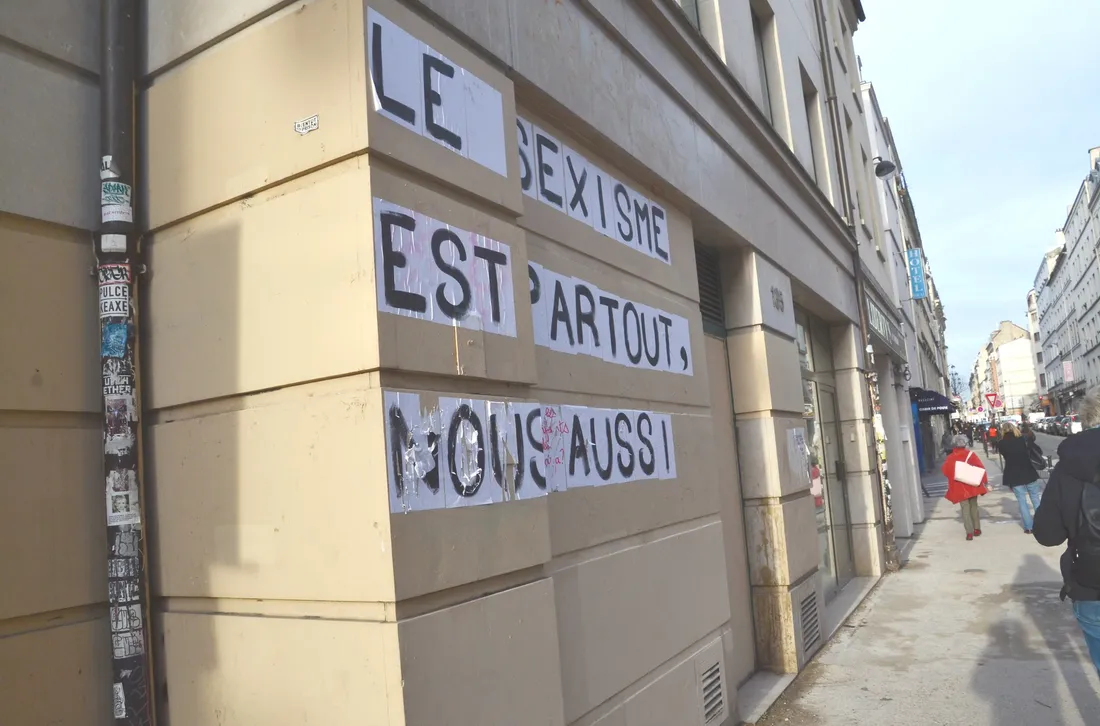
x=1018, y=467
x=1058, y=514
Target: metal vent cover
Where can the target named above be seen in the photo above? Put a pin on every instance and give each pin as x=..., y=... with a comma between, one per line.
x=811, y=623
x=714, y=695
x=710, y=290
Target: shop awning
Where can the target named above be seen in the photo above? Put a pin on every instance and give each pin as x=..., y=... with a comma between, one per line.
x=931, y=402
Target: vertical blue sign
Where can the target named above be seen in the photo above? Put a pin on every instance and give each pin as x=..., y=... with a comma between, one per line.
x=916, y=275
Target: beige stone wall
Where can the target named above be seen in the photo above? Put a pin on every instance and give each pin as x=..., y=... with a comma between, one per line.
x=288, y=579
x=53, y=627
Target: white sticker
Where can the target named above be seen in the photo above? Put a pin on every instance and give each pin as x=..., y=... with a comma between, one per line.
x=106, y=170
x=304, y=126
x=114, y=202
x=484, y=124
x=417, y=87
x=798, y=457
x=119, y=700
x=555, y=448
x=464, y=453
x=412, y=454
x=429, y=270
x=114, y=299
x=490, y=452
x=573, y=316
x=113, y=192
x=122, y=498
x=112, y=243
x=525, y=448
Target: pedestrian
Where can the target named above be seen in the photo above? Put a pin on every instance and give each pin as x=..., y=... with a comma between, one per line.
x=966, y=480
x=970, y=435
x=947, y=442
x=1070, y=512
x=1020, y=474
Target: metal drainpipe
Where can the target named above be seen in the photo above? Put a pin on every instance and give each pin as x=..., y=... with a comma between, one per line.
x=890, y=550
x=117, y=262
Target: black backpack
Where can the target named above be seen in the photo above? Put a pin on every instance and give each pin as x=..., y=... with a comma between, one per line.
x=1035, y=453
x=1086, y=545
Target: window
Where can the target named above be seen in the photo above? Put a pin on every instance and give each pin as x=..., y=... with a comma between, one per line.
x=1039, y=357
x=817, y=132
x=1036, y=336
x=1043, y=380
x=691, y=10
x=762, y=64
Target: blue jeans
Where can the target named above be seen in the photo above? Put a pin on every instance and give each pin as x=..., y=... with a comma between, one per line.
x=1088, y=616
x=1022, y=492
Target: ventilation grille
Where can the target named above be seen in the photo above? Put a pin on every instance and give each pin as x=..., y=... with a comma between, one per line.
x=811, y=623
x=710, y=291
x=714, y=700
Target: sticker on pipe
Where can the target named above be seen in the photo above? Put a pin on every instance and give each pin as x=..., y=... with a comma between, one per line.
x=114, y=202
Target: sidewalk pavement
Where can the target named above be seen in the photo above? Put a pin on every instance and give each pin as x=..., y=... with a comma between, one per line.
x=966, y=633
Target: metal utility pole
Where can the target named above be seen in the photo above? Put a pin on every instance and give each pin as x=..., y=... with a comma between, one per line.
x=117, y=263
x=890, y=550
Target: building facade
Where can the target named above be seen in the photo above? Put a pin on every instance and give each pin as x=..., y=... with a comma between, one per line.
x=1013, y=365
x=517, y=340
x=1068, y=300
x=891, y=312
x=1005, y=367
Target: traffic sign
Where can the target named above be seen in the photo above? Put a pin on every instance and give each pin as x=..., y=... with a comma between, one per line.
x=994, y=400
x=981, y=409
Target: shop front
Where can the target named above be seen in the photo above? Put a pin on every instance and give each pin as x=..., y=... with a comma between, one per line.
x=892, y=418
x=828, y=484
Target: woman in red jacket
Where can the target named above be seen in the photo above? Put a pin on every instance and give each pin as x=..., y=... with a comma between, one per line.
x=961, y=493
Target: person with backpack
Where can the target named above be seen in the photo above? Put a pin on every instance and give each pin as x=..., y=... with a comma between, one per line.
x=1070, y=513
x=966, y=480
x=1020, y=472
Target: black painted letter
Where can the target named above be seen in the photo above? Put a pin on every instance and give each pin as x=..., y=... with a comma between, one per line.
x=658, y=214
x=621, y=421
x=465, y=413
x=545, y=170
x=525, y=176
x=392, y=259
x=604, y=472
x=389, y=105
x=578, y=449
x=432, y=99
x=649, y=468
x=586, y=318
x=629, y=308
x=492, y=259
x=458, y=310
x=560, y=314
x=622, y=204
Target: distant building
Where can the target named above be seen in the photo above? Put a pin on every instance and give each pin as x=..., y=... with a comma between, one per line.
x=1068, y=299
x=1004, y=366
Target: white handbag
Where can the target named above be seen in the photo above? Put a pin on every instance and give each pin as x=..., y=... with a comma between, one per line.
x=967, y=473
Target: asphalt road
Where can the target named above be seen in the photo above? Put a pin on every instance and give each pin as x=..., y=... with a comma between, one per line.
x=1049, y=444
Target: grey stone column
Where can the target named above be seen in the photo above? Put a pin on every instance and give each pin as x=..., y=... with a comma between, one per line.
x=864, y=500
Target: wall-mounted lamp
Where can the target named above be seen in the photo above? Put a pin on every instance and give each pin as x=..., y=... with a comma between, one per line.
x=884, y=167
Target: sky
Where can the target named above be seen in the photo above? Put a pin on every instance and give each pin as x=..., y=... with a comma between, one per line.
x=994, y=105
